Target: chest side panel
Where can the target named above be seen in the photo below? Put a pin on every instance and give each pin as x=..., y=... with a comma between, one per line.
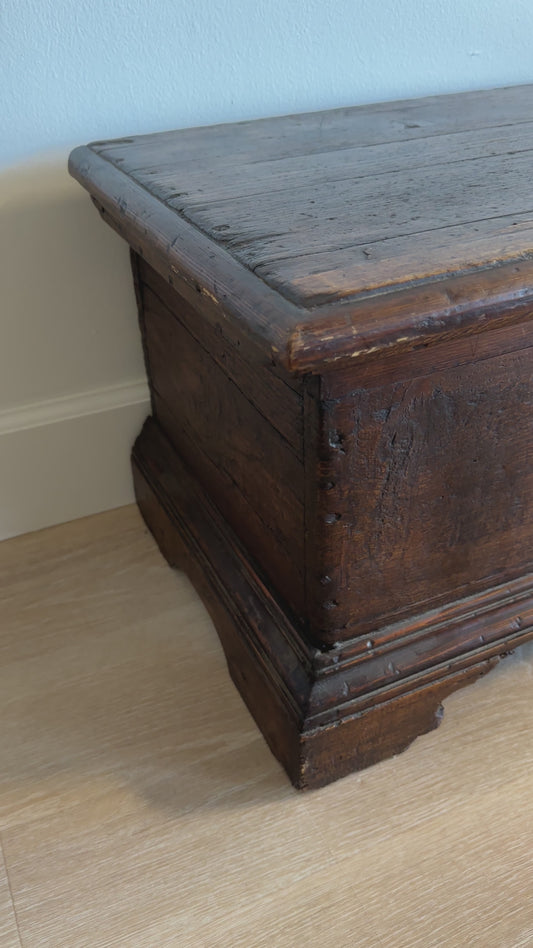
x=429, y=483
x=236, y=424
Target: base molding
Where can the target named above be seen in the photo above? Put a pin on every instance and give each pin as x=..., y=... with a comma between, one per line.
x=67, y=457
x=324, y=714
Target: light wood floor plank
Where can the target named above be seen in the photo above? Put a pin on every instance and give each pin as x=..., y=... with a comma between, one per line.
x=140, y=807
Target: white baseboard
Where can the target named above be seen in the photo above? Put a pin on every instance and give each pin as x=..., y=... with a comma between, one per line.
x=68, y=457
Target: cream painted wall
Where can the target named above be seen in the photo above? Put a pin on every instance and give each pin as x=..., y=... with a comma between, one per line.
x=72, y=383
x=68, y=307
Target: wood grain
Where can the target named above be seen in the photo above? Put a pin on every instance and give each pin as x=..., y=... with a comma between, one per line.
x=355, y=205
x=237, y=426
x=432, y=485
x=330, y=164
x=134, y=815
x=371, y=232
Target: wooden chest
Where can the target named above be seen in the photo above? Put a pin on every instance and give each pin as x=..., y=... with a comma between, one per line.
x=336, y=311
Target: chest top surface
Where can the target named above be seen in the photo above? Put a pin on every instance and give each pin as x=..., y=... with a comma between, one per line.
x=426, y=204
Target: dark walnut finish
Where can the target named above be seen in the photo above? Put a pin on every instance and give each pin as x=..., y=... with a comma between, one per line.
x=336, y=312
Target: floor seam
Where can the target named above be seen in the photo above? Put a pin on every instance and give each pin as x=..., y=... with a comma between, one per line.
x=11, y=896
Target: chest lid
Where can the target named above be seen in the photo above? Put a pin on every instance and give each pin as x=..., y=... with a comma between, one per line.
x=331, y=235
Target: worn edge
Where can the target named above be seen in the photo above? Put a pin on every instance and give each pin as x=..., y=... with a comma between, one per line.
x=186, y=258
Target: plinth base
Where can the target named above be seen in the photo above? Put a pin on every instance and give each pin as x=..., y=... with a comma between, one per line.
x=322, y=714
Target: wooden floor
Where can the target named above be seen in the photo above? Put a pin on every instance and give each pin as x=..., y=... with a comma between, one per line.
x=139, y=806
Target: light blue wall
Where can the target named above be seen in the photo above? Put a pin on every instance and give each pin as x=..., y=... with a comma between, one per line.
x=76, y=71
